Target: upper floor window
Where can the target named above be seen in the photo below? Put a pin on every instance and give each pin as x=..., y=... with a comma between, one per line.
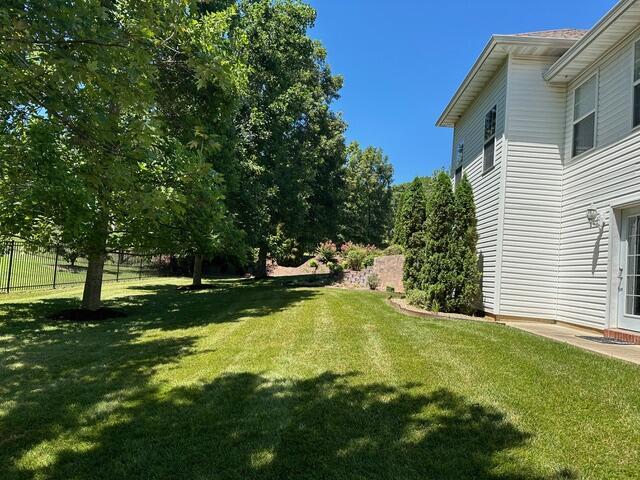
x=460, y=154
x=459, y=162
x=636, y=86
x=489, y=139
x=457, y=178
x=584, y=116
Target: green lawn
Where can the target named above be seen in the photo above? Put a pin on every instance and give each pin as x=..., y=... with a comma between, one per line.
x=254, y=380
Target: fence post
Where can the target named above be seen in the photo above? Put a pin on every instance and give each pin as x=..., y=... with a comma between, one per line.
x=55, y=267
x=118, y=266
x=10, y=266
x=140, y=271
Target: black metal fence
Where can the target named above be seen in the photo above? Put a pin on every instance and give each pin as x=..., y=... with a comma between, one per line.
x=23, y=267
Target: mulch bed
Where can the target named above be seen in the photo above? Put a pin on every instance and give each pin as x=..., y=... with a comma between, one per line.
x=80, y=315
x=403, y=306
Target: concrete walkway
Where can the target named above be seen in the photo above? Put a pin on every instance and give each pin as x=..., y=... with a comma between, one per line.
x=581, y=338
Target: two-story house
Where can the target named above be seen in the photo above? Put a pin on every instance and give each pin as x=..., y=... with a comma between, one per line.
x=547, y=129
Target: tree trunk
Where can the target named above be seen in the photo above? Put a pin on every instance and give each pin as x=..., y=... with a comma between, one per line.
x=261, y=266
x=93, y=282
x=197, y=270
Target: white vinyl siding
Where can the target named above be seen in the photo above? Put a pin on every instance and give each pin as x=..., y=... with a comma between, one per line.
x=532, y=206
x=636, y=84
x=486, y=186
x=614, y=108
x=604, y=176
x=614, y=97
x=533, y=193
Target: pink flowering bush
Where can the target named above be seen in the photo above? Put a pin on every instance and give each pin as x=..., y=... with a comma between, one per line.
x=327, y=252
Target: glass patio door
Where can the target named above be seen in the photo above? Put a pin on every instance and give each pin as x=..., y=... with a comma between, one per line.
x=629, y=308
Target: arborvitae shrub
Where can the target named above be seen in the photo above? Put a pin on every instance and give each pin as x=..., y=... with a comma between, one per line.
x=467, y=275
x=438, y=270
x=411, y=224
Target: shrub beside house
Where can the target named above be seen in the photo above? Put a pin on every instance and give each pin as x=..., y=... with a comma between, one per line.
x=441, y=270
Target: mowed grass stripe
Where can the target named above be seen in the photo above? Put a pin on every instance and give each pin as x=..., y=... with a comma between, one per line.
x=256, y=380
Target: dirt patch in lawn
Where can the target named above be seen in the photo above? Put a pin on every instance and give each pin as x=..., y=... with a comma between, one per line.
x=276, y=270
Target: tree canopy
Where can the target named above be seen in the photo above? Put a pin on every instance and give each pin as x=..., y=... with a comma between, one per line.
x=196, y=127
x=367, y=210
x=291, y=142
x=86, y=145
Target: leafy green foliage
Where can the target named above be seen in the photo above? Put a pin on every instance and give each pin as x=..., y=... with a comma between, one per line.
x=399, y=192
x=410, y=230
x=394, y=250
x=335, y=269
x=441, y=264
x=285, y=251
x=291, y=143
x=82, y=108
x=367, y=211
x=356, y=257
x=417, y=298
x=327, y=252
x=467, y=275
x=373, y=281
x=438, y=270
x=314, y=264
x=198, y=106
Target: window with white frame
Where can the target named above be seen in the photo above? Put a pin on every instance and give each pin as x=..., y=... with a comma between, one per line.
x=489, y=139
x=459, y=162
x=584, y=116
x=636, y=85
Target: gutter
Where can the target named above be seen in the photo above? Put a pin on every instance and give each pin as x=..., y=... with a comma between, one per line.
x=585, y=41
x=494, y=42
x=488, y=49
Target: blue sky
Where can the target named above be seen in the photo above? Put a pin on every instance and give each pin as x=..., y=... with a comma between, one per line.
x=402, y=61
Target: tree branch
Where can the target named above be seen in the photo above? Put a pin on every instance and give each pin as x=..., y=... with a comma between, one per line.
x=62, y=42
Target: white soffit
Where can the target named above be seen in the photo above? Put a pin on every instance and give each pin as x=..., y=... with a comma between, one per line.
x=492, y=58
x=622, y=20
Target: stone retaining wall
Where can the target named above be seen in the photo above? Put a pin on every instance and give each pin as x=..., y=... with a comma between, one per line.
x=389, y=270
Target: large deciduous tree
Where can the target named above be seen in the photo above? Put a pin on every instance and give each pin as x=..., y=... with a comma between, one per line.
x=83, y=140
x=290, y=140
x=367, y=212
x=199, y=113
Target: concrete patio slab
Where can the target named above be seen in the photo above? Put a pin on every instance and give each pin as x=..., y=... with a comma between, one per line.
x=582, y=338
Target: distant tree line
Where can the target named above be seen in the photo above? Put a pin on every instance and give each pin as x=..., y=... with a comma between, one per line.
x=198, y=127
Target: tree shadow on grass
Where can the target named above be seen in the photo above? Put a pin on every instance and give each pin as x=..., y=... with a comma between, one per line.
x=162, y=306
x=245, y=426
x=58, y=376
x=81, y=401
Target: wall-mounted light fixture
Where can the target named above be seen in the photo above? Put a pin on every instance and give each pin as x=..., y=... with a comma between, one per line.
x=595, y=218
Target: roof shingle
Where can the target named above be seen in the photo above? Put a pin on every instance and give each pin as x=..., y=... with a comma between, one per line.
x=564, y=33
